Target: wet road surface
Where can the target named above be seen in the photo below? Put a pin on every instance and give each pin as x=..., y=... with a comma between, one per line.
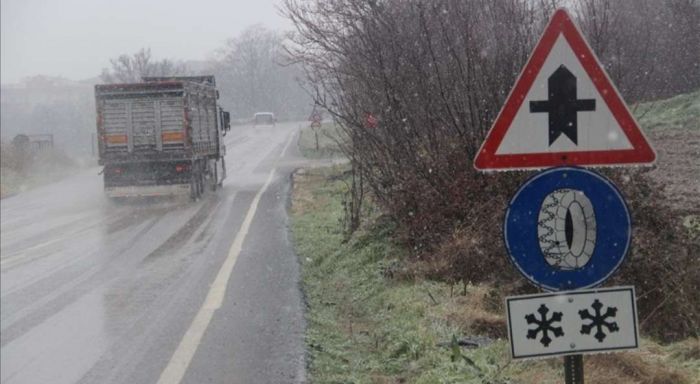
x=158, y=291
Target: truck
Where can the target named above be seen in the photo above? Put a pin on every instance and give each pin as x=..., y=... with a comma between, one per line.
x=160, y=137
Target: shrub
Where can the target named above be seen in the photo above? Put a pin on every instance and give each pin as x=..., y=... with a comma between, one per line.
x=415, y=85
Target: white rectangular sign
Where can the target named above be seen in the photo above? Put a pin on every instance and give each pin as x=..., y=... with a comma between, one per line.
x=572, y=322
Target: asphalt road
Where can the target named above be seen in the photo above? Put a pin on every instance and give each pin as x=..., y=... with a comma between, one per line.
x=157, y=291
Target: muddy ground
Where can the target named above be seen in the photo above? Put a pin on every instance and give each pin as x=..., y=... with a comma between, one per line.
x=678, y=166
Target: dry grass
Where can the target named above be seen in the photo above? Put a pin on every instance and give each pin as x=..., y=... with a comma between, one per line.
x=688, y=349
x=480, y=312
x=473, y=314
x=678, y=167
x=375, y=319
x=21, y=170
x=304, y=198
x=632, y=368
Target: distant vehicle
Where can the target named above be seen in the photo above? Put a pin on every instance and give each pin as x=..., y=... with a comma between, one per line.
x=163, y=136
x=264, y=118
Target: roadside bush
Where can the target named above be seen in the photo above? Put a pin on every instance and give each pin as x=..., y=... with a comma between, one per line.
x=12, y=159
x=662, y=263
x=22, y=169
x=415, y=85
x=23, y=160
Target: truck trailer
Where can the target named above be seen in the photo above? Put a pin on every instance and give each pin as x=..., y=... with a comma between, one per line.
x=162, y=136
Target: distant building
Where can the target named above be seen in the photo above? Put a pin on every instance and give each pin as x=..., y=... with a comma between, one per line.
x=33, y=143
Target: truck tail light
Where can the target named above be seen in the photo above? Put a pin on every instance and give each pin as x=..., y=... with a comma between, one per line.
x=173, y=136
x=182, y=168
x=115, y=139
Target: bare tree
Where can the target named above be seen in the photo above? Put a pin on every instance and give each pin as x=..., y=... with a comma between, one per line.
x=131, y=68
x=649, y=47
x=255, y=75
x=435, y=73
x=432, y=75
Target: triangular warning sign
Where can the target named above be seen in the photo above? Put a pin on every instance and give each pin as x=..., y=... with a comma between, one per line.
x=563, y=110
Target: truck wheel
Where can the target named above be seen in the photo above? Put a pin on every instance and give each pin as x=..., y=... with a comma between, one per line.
x=194, y=189
x=223, y=172
x=118, y=200
x=214, y=174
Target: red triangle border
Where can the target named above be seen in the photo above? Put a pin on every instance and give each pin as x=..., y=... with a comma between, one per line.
x=561, y=23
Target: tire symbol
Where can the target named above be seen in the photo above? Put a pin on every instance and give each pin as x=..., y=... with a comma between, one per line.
x=566, y=229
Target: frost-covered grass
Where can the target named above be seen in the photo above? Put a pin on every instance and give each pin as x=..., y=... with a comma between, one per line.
x=327, y=134
x=19, y=174
x=371, y=322
x=365, y=325
x=679, y=112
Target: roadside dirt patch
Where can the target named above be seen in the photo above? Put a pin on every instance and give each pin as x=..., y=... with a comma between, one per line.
x=678, y=166
x=632, y=368
x=303, y=197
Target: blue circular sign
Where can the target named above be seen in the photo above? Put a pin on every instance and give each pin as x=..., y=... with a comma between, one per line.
x=567, y=228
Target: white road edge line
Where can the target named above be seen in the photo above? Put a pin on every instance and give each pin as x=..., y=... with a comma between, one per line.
x=181, y=358
x=289, y=141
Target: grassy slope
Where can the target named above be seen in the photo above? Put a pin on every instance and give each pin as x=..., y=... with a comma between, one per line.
x=673, y=126
x=328, y=135
x=44, y=168
x=682, y=111
x=365, y=327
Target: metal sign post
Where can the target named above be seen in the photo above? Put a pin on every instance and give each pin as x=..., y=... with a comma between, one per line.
x=573, y=369
x=567, y=229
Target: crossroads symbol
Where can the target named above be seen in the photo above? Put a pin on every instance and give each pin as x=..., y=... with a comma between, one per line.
x=562, y=105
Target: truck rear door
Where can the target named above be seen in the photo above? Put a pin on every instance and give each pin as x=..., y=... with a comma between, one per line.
x=143, y=124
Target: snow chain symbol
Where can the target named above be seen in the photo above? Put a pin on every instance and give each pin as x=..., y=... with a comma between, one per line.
x=566, y=229
x=598, y=321
x=544, y=325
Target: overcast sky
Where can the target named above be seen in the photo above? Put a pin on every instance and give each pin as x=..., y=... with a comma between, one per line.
x=76, y=38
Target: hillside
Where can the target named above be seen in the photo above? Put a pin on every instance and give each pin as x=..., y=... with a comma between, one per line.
x=374, y=317
x=673, y=126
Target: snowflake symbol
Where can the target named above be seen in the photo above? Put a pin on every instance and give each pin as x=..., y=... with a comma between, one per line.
x=544, y=325
x=598, y=320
